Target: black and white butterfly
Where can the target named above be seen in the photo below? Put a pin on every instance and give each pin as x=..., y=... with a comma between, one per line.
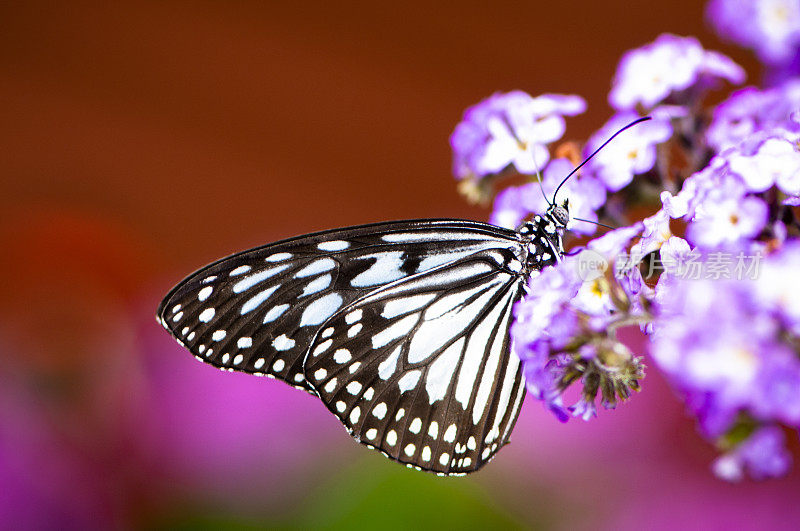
x=400, y=328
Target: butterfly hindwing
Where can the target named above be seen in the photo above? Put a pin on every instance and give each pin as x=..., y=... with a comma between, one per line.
x=259, y=311
x=421, y=368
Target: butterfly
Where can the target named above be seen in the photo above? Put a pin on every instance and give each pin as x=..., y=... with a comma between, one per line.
x=400, y=328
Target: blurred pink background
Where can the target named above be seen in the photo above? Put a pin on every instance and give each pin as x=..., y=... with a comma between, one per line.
x=141, y=141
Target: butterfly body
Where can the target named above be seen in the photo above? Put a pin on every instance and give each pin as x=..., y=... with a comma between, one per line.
x=400, y=328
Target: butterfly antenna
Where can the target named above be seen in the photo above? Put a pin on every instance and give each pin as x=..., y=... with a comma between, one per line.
x=596, y=151
x=594, y=223
x=539, y=178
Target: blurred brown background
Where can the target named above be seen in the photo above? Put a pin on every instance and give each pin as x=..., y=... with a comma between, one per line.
x=143, y=140
x=207, y=127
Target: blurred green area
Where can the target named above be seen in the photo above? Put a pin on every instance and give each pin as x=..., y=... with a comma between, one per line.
x=369, y=495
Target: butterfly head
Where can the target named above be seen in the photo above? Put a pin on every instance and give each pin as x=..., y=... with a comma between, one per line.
x=559, y=215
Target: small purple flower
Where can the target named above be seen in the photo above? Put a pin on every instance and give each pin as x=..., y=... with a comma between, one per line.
x=613, y=243
x=770, y=27
x=763, y=455
x=752, y=110
x=716, y=203
x=777, y=286
x=730, y=220
x=632, y=153
x=678, y=258
x=656, y=233
x=511, y=129
x=585, y=193
x=668, y=66
x=775, y=161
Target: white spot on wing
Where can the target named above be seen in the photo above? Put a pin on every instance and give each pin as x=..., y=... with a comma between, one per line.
x=433, y=430
x=257, y=300
x=333, y=245
x=256, y=278
x=205, y=293
x=316, y=285
x=404, y=305
x=316, y=267
x=319, y=310
x=319, y=374
x=388, y=366
x=283, y=342
x=353, y=316
x=331, y=385
x=409, y=450
x=279, y=365
x=405, y=237
x=394, y=331
x=409, y=381
x=353, y=388
x=379, y=411
x=322, y=347
x=342, y=355
x=372, y=433
x=244, y=342
x=206, y=315
x=218, y=335
x=238, y=359
x=391, y=438
x=384, y=270
x=259, y=363
x=415, y=426
x=355, y=414
x=275, y=312
x=444, y=458
x=441, y=371
x=238, y=271
x=426, y=454
x=450, y=433
x=354, y=330
x=278, y=257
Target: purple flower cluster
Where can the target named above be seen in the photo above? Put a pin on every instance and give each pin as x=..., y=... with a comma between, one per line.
x=724, y=203
x=563, y=331
x=710, y=276
x=510, y=129
x=671, y=69
x=751, y=110
x=742, y=373
x=769, y=27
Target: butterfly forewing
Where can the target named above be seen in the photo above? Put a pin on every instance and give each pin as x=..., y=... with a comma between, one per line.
x=421, y=368
x=258, y=311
